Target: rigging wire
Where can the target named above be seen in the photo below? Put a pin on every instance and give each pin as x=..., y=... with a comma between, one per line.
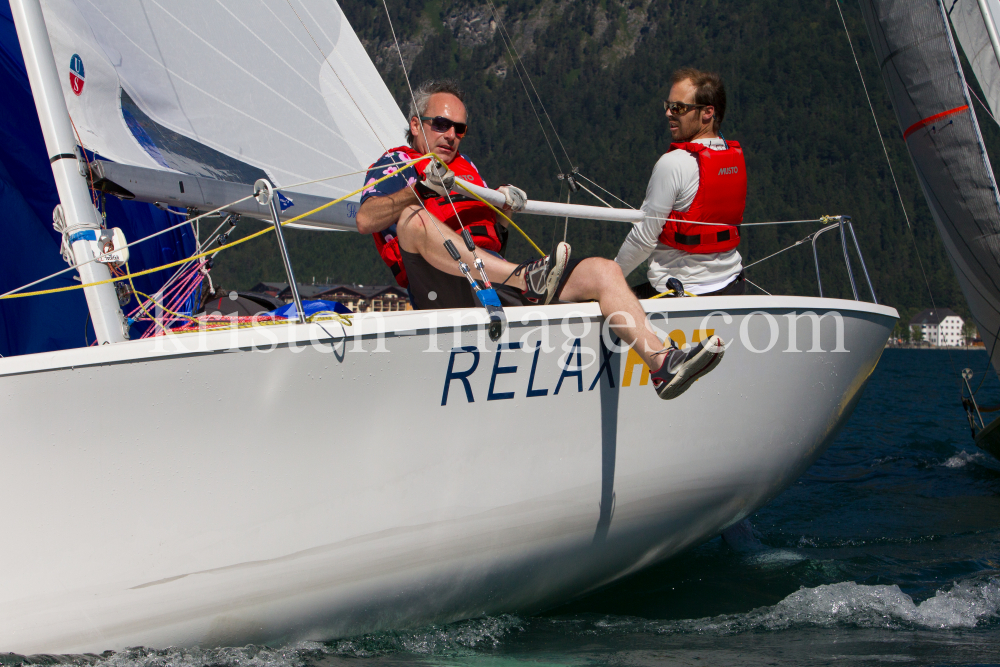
x=515, y=60
x=598, y=185
x=589, y=191
x=182, y=224
x=774, y=254
x=16, y=292
x=985, y=108
x=888, y=162
x=757, y=286
x=333, y=69
x=413, y=99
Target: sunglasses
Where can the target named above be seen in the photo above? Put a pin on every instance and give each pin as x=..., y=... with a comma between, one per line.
x=441, y=124
x=679, y=108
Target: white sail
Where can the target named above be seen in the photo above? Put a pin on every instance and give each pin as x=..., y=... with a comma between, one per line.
x=227, y=89
x=974, y=21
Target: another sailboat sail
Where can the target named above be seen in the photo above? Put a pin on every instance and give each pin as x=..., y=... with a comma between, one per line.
x=922, y=72
x=229, y=89
x=973, y=21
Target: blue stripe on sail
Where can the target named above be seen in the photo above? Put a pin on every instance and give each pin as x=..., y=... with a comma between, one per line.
x=27, y=198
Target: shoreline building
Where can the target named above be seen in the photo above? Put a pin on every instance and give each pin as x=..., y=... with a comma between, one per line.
x=941, y=327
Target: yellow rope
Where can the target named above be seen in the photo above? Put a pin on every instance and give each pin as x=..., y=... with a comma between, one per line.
x=128, y=272
x=670, y=291
x=162, y=307
x=129, y=276
x=509, y=221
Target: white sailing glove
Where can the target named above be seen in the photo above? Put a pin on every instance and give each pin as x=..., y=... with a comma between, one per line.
x=438, y=179
x=516, y=198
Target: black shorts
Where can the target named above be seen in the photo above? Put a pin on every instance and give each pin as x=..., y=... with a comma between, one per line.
x=431, y=288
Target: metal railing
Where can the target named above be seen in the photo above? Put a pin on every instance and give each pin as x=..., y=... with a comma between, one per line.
x=842, y=222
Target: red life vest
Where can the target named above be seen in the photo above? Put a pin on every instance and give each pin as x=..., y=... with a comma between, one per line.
x=721, y=199
x=477, y=217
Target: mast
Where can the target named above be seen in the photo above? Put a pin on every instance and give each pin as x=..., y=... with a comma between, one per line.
x=74, y=195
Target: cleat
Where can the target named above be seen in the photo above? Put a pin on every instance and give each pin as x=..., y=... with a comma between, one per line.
x=542, y=276
x=681, y=368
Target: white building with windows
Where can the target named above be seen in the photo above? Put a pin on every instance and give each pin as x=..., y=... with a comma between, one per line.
x=941, y=327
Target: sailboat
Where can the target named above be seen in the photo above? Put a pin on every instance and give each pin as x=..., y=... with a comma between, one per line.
x=324, y=478
x=933, y=103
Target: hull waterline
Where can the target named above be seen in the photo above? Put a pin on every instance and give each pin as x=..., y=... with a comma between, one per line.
x=289, y=483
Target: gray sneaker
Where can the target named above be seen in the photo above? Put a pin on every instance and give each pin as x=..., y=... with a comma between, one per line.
x=681, y=368
x=542, y=276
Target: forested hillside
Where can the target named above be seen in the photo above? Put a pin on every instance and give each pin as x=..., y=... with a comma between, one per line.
x=601, y=68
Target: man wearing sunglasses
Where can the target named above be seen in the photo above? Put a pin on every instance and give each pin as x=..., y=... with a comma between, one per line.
x=416, y=211
x=398, y=212
x=701, y=179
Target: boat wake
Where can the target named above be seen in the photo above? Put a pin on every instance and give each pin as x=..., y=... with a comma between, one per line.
x=966, y=604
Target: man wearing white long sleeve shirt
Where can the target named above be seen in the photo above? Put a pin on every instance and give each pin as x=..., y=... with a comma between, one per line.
x=703, y=257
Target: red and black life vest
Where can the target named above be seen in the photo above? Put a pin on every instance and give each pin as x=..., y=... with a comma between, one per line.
x=477, y=217
x=721, y=199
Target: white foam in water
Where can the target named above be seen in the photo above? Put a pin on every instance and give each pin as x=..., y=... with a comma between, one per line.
x=455, y=639
x=962, y=459
x=444, y=639
x=245, y=656
x=776, y=558
x=851, y=604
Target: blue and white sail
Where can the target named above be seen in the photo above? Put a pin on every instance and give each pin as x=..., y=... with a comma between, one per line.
x=233, y=90
x=27, y=199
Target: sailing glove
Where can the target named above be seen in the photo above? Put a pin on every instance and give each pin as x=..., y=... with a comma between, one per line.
x=516, y=198
x=438, y=180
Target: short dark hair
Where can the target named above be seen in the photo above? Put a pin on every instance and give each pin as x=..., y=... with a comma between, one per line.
x=422, y=97
x=708, y=90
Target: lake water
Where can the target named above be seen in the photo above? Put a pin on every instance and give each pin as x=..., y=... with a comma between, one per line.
x=886, y=550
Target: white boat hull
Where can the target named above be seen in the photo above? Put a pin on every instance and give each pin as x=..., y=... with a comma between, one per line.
x=212, y=492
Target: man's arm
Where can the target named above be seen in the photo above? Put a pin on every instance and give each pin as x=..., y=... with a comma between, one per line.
x=661, y=194
x=378, y=213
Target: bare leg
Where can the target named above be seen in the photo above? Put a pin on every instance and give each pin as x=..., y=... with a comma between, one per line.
x=594, y=279
x=602, y=280
x=417, y=234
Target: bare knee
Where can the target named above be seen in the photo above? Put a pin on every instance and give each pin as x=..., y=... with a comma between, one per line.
x=594, y=278
x=603, y=273
x=411, y=228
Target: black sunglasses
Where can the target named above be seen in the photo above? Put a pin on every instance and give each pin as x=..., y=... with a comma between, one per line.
x=442, y=125
x=680, y=108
